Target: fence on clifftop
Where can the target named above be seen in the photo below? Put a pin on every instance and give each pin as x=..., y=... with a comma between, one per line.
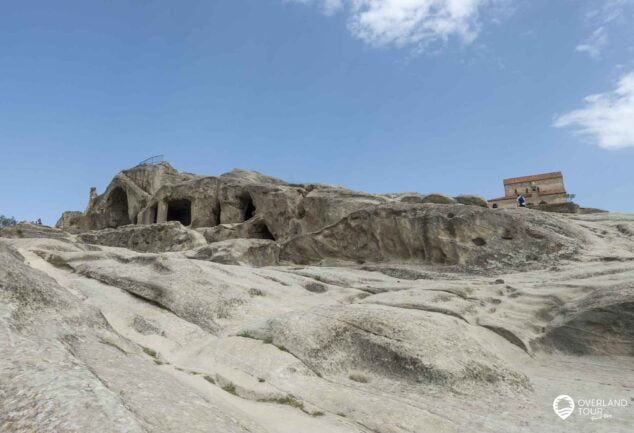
x=156, y=159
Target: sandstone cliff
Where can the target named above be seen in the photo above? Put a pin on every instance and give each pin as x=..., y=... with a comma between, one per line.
x=311, y=308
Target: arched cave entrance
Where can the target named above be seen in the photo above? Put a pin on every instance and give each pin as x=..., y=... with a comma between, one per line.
x=180, y=210
x=248, y=207
x=118, y=204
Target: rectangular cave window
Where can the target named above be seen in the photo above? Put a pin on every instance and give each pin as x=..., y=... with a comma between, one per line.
x=153, y=218
x=180, y=210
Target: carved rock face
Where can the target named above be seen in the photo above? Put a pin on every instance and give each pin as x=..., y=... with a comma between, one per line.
x=314, y=223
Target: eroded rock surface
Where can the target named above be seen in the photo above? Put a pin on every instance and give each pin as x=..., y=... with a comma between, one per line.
x=442, y=234
x=171, y=236
x=352, y=312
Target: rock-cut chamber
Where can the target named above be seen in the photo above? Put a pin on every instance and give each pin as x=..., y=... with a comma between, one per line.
x=180, y=210
x=118, y=205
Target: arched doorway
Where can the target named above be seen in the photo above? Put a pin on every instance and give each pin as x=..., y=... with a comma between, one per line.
x=247, y=207
x=180, y=210
x=118, y=205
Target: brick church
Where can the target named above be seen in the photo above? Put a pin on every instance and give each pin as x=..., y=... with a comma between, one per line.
x=538, y=189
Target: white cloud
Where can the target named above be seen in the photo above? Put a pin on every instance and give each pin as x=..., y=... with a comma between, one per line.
x=597, y=41
x=607, y=117
x=604, y=15
x=403, y=22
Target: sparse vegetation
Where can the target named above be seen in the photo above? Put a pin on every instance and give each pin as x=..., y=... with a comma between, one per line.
x=230, y=388
x=149, y=352
x=7, y=221
x=246, y=334
x=255, y=292
x=288, y=400
x=358, y=377
x=210, y=379
x=316, y=287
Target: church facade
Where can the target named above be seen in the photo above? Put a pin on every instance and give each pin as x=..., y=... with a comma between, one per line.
x=537, y=189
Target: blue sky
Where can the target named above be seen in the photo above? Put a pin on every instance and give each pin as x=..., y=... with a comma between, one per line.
x=377, y=95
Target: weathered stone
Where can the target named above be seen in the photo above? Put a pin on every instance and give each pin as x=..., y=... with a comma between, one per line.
x=254, y=331
x=600, y=323
x=73, y=222
x=254, y=228
x=441, y=234
x=109, y=339
x=438, y=198
x=407, y=197
x=404, y=345
x=252, y=252
x=155, y=238
x=29, y=230
x=591, y=210
x=567, y=207
x=472, y=200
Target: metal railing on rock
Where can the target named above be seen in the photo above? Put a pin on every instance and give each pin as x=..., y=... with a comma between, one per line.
x=156, y=159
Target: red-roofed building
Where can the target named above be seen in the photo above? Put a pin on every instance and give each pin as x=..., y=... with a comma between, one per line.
x=537, y=189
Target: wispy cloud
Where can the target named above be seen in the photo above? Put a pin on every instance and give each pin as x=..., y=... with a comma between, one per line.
x=409, y=22
x=601, y=17
x=607, y=118
x=597, y=41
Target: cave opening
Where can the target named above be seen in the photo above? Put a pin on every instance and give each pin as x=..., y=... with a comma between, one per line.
x=216, y=214
x=180, y=210
x=249, y=209
x=153, y=218
x=262, y=232
x=118, y=204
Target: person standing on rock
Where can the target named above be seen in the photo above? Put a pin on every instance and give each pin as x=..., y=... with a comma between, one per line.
x=521, y=201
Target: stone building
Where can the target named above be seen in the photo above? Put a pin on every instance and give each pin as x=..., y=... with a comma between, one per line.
x=539, y=189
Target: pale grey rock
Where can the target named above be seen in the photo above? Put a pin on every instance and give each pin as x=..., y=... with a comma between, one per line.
x=567, y=207
x=411, y=198
x=72, y=222
x=324, y=206
x=146, y=326
x=239, y=348
x=254, y=228
x=252, y=252
x=591, y=210
x=400, y=344
x=438, y=198
x=460, y=319
x=599, y=323
x=472, y=200
x=29, y=230
x=440, y=234
x=171, y=236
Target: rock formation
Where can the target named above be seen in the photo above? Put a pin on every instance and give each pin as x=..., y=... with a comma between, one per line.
x=242, y=303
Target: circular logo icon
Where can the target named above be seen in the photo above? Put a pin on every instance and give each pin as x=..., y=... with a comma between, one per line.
x=563, y=406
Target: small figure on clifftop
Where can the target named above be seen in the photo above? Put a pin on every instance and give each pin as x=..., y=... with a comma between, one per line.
x=521, y=201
